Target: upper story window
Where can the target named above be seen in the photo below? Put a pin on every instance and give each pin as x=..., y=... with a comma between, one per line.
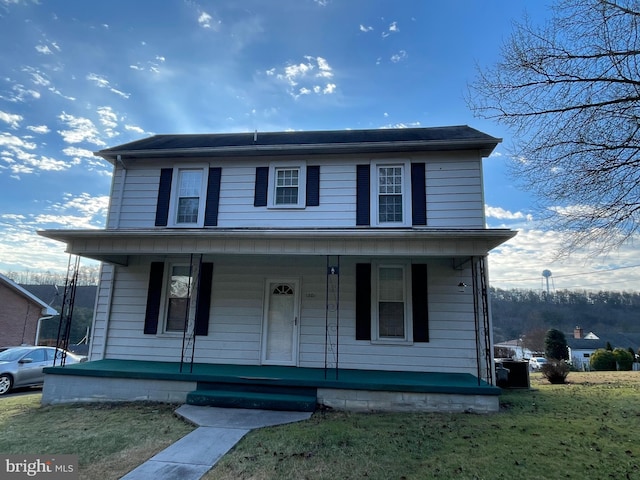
x=188, y=199
x=391, y=194
x=189, y=194
x=286, y=188
x=287, y=185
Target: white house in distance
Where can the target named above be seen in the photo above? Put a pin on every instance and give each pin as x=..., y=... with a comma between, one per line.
x=344, y=268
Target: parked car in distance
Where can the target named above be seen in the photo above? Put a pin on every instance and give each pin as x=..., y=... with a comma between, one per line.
x=535, y=363
x=22, y=366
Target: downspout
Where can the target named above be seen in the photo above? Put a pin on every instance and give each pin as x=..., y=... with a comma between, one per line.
x=123, y=178
x=39, y=325
x=110, y=271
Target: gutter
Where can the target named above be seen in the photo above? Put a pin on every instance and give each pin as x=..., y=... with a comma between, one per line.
x=485, y=147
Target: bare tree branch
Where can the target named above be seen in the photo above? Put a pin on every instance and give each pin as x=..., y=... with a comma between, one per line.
x=569, y=91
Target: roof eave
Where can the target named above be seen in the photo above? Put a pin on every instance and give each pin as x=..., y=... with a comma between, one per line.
x=484, y=147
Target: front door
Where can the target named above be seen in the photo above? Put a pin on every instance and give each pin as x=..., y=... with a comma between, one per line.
x=280, y=331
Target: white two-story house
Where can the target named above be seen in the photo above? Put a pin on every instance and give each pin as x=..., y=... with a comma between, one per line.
x=350, y=264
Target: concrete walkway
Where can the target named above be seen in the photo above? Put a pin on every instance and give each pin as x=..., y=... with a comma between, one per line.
x=219, y=429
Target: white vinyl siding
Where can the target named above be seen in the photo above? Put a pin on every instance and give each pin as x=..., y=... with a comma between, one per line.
x=453, y=195
x=236, y=317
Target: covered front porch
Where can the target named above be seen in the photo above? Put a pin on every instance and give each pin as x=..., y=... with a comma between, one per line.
x=268, y=387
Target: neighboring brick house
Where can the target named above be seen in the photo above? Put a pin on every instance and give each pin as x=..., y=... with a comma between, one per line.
x=21, y=314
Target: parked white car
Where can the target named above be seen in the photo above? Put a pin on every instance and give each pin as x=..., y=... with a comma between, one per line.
x=535, y=363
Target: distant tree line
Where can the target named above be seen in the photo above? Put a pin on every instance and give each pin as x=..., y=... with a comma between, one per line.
x=87, y=275
x=529, y=314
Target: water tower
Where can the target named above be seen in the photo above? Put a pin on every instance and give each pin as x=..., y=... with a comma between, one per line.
x=546, y=274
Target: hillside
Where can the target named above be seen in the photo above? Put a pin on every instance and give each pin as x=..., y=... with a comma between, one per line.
x=82, y=310
x=517, y=312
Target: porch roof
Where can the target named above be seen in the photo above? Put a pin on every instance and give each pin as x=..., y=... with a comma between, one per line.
x=115, y=246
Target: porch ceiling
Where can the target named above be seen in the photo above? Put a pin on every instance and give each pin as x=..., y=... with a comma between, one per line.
x=115, y=246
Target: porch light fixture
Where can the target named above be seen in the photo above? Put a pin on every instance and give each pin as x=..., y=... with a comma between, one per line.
x=462, y=287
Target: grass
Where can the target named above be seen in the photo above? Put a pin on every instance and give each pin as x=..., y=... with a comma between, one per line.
x=587, y=428
x=110, y=439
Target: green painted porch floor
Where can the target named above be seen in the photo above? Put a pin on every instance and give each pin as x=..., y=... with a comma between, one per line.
x=376, y=380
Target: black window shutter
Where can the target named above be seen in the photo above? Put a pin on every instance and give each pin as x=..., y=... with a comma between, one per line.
x=213, y=197
x=363, y=301
x=313, y=186
x=418, y=194
x=363, y=200
x=204, y=299
x=164, y=197
x=262, y=183
x=154, y=295
x=420, y=302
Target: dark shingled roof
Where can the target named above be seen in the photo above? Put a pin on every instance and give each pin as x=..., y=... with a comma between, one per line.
x=284, y=143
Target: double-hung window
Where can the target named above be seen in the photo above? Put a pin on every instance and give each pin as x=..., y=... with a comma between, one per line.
x=391, y=302
x=287, y=185
x=188, y=198
x=180, y=285
x=391, y=194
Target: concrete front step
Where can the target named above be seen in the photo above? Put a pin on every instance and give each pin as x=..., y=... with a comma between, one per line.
x=253, y=400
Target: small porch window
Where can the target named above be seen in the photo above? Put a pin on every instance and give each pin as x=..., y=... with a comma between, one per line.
x=391, y=306
x=178, y=295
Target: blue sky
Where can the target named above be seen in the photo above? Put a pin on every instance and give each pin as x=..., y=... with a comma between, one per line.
x=78, y=76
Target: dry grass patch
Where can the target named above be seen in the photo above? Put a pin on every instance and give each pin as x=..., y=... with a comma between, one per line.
x=110, y=439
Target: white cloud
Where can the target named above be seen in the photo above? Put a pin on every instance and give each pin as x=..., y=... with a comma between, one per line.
x=11, y=118
x=78, y=152
x=44, y=49
x=502, y=214
x=134, y=128
x=393, y=28
x=14, y=142
x=519, y=264
x=42, y=129
x=51, y=164
x=329, y=88
x=365, y=29
x=206, y=21
x=107, y=116
x=85, y=203
x=80, y=130
x=306, y=77
x=20, y=93
x=102, y=82
x=399, y=57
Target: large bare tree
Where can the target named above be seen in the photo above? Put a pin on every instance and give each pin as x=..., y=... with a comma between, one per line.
x=569, y=91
